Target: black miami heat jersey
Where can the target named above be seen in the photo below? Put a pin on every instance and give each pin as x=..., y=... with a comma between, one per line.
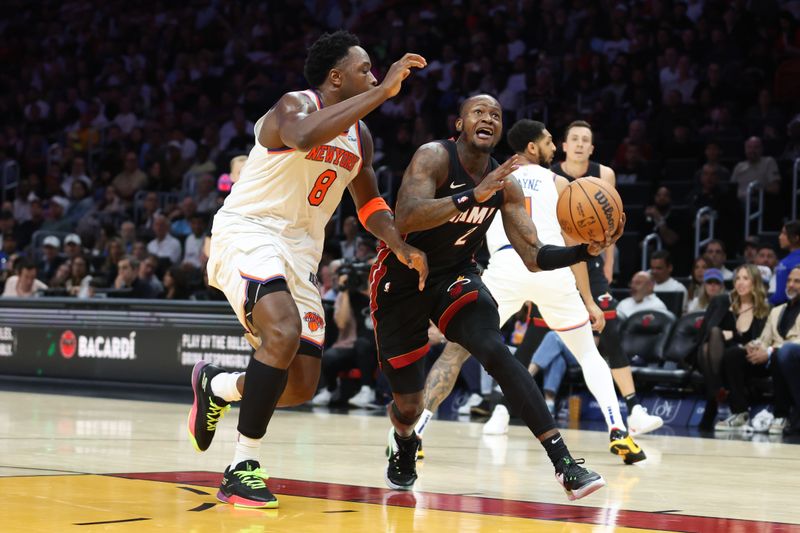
x=452, y=246
x=597, y=279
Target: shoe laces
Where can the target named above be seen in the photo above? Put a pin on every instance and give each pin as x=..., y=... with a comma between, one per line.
x=572, y=468
x=403, y=458
x=252, y=478
x=214, y=414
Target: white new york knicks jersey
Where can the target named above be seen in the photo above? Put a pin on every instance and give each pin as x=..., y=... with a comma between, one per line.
x=539, y=187
x=290, y=193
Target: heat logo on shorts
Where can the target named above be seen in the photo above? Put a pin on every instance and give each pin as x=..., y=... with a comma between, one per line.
x=68, y=344
x=456, y=288
x=314, y=321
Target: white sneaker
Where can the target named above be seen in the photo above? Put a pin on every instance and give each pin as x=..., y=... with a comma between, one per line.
x=777, y=426
x=498, y=423
x=640, y=422
x=734, y=422
x=323, y=397
x=472, y=401
x=363, y=398
x=762, y=421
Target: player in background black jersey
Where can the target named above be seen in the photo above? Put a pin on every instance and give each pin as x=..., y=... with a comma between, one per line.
x=578, y=147
x=449, y=196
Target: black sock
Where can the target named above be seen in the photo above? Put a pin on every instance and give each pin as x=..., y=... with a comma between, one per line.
x=262, y=388
x=632, y=401
x=555, y=448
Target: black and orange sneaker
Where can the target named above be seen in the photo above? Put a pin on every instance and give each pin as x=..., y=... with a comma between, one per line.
x=578, y=482
x=623, y=445
x=245, y=486
x=207, y=409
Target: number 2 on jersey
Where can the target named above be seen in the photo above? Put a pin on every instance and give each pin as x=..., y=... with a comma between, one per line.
x=461, y=241
x=321, y=186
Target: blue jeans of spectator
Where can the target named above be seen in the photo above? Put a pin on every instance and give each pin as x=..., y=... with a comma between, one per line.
x=553, y=356
x=788, y=360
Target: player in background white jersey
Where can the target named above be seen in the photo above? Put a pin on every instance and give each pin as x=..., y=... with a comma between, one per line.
x=563, y=295
x=267, y=239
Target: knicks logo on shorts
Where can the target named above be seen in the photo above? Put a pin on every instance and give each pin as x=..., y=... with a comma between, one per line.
x=457, y=287
x=314, y=321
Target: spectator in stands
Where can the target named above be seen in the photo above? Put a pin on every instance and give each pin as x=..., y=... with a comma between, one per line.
x=59, y=279
x=139, y=250
x=637, y=136
x=28, y=228
x=78, y=283
x=164, y=244
x=711, y=191
x=176, y=284
x=129, y=283
x=788, y=355
x=7, y=249
x=713, y=286
x=750, y=251
x=130, y=181
x=7, y=224
x=696, y=278
x=72, y=246
x=756, y=167
x=148, y=212
x=206, y=197
x=127, y=233
x=77, y=173
x=81, y=204
x=355, y=345
x=730, y=322
x=641, y=298
x=789, y=239
x=669, y=224
x=51, y=258
x=758, y=359
x=24, y=284
x=22, y=201
x=350, y=231
x=767, y=257
x=114, y=253
x=661, y=271
x=181, y=217
x=713, y=157
x=193, y=245
x=716, y=256
x=55, y=219
x=147, y=273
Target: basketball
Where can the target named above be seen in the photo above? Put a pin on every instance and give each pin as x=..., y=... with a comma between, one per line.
x=587, y=208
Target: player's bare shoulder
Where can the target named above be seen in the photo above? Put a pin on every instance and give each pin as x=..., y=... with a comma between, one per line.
x=607, y=174
x=289, y=107
x=431, y=160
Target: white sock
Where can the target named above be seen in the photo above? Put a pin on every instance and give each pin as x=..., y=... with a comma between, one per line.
x=246, y=449
x=422, y=423
x=596, y=373
x=223, y=385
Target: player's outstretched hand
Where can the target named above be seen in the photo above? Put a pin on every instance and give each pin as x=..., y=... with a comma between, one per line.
x=496, y=179
x=414, y=258
x=595, y=247
x=399, y=71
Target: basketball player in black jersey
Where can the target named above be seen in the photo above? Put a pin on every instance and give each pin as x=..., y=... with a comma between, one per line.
x=449, y=196
x=578, y=147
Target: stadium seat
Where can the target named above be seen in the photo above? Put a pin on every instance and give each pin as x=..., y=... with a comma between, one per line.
x=644, y=336
x=673, y=300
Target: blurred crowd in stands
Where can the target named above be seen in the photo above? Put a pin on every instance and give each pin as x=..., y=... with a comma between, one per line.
x=126, y=125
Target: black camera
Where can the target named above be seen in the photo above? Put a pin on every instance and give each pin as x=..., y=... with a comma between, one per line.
x=357, y=273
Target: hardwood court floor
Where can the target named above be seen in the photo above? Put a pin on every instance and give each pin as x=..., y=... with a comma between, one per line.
x=82, y=464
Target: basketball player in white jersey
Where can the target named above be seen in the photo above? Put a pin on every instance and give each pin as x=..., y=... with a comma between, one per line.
x=567, y=309
x=267, y=239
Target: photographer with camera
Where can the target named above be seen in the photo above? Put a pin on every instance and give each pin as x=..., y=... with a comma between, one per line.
x=355, y=345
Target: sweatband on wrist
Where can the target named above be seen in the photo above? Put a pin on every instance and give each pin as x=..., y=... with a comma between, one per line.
x=551, y=257
x=370, y=208
x=464, y=200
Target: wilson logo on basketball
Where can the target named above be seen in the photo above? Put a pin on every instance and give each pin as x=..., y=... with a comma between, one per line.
x=605, y=205
x=314, y=321
x=68, y=344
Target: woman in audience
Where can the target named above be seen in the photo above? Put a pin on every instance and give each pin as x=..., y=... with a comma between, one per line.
x=712, y=286
x=731, y=321
x=176, y=284
x=79, y=279
x=696, y=278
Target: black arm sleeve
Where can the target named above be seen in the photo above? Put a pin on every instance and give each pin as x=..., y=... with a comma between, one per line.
x=551, y=257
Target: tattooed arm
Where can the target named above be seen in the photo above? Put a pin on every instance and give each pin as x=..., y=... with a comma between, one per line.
x=443, y=375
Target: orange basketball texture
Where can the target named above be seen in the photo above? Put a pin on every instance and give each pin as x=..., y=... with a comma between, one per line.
x=587, y=208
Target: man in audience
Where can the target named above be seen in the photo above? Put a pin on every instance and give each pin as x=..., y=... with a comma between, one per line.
x=127, y=279
x=51, y=258
x=642, y=297
x=788, y=355
x=716, y=256
x=661, y=272
x=789, y=240
x=668, y=224
x=164, y=244
x=24, y=284
x=766, y=257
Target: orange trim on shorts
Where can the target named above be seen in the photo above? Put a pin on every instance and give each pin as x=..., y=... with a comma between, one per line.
x=312, y=341
x=260, y=280
x=372, y=207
